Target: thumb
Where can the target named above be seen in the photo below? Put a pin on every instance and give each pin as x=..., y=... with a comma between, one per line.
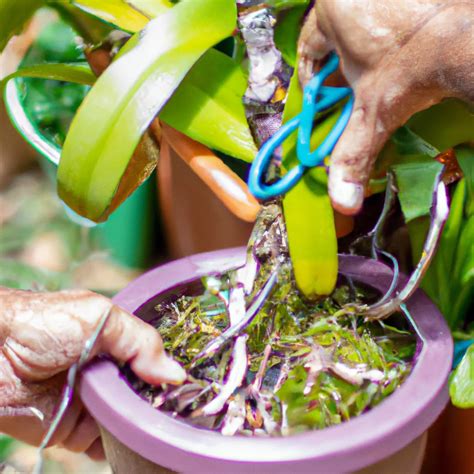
x=129, y=339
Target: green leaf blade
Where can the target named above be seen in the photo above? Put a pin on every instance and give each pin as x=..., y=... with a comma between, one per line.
x=311, y=234
x=287, y=33
x=119, y=13
x=127, y=97
x=78, y=73
x=416, y=185
x=461, y=387
x=308, y=212
x=208, y=106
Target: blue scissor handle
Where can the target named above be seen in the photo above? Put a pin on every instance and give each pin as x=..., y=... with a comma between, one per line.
x=316, y=99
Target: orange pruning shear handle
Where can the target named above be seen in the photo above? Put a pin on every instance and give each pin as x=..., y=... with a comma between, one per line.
x=231, y=190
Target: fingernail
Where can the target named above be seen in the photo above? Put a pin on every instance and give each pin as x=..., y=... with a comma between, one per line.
x=349, y=195
x=170, y=371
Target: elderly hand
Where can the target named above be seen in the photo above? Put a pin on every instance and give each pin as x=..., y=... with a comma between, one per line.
x=400, y=57
x=41, y=336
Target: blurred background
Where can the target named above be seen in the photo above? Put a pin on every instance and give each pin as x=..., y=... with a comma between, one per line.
x=41, y=247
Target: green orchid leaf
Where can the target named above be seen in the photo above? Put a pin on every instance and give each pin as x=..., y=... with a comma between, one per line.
x=462, y=288
x=464, y=257
x=88, y=27
x=453, y=227
x=208, y=106
x=128, y=15
x=287, y=32
x=445, y=125
x=311, y=234
x=461, y=386
x=409, y=143
x=129, y=94
x=151, y=8
x=13, y=17
x=79, y=73
x=416, y=185
x=284, y=4
x=308, y=212
x=436, y=129
x=465, y=157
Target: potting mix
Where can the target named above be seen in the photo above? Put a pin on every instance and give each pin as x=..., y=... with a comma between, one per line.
x=298, y=365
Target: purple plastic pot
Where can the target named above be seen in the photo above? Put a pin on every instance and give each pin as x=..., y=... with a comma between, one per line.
x=389, y=438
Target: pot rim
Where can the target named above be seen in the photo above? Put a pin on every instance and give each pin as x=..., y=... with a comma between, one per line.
x=384, y=430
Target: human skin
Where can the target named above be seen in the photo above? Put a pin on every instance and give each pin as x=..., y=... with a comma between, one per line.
x=400, y=57
x=41, y=336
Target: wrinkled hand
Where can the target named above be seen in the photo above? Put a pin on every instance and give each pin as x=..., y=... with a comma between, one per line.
x=41, y=336
x=400, y=57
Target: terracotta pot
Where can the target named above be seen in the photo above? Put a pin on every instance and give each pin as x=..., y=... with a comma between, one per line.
x=125, y=461
x=390, y=438
x=450, y=446
x=194, y=219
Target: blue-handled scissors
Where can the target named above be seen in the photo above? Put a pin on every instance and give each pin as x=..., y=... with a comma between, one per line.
x=316, y=99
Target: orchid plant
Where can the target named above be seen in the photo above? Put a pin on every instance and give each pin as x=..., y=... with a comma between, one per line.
x=164, y=64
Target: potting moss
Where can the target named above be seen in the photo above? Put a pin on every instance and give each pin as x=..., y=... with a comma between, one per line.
x=299, y=365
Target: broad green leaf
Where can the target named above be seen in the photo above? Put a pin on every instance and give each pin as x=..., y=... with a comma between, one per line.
x=464, y=257
x=442, y=271
x=445, y=125
x=89, y=28
x=127, y=97
x=308, y=212
x=311, y=234
x=440, y=127
x=462, y=284
x=465, y=157
x=151, y=8
x=208, y=106
x=287, y=32
x=409, y=143
x=283, y=4
x=461, y=386
x=79, y=73
x=14, y=14
x=454, y=224
x=128, y=15
x=416, y=185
